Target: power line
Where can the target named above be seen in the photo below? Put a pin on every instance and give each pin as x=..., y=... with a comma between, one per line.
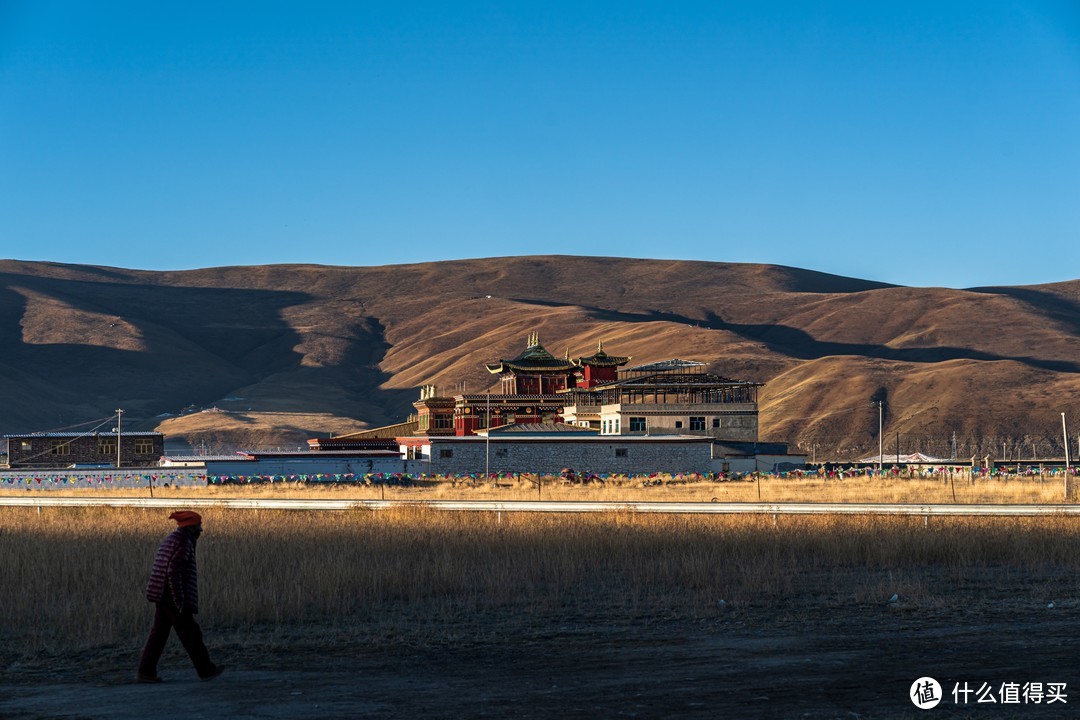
x=101, y=421
x=69, y=440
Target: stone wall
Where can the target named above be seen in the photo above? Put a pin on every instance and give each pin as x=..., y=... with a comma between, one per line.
x=57, y=451
x=603, y=455
x=329, y=465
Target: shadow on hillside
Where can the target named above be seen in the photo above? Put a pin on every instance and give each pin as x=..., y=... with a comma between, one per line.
x=799, y=344
x=359, y=378
x=200, y=343
x=800, y=280
x=1061, y=309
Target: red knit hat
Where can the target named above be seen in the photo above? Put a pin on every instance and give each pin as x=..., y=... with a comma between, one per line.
x=185, y=518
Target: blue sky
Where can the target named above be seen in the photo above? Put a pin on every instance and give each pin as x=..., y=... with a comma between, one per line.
x=920, y=143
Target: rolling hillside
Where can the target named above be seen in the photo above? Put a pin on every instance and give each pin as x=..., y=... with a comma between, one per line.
x=287, y=352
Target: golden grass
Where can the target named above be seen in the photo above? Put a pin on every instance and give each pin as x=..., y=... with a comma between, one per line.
x=859, y=489
x=74, y=577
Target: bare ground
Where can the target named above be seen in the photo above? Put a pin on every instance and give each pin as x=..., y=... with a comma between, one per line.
x=784, y=659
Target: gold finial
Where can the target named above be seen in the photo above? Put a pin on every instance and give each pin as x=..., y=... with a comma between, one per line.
x=599, y=347
x=567, y=355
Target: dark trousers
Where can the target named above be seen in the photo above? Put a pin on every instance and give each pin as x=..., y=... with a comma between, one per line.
x=167, y=618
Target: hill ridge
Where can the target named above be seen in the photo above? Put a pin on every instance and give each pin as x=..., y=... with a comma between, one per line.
x=289, y=351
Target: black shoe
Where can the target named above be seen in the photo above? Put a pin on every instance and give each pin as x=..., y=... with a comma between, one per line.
x=140, y=678
x=218, y=669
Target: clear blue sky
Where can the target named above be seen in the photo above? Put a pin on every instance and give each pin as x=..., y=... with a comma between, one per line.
x=921, y=143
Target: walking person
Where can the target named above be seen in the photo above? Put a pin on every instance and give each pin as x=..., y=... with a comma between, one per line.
x=174, y=590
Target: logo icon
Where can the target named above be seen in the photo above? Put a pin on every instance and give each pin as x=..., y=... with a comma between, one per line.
x=925, y=693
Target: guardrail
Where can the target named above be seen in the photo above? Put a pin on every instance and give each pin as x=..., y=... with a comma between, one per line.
x=701, y=508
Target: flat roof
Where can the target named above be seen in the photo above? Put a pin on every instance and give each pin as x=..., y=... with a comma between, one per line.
x=536, y=429
x=379, y=452
x=564, y=438
x=84, y=434
x=665, y=365
x=202, y=458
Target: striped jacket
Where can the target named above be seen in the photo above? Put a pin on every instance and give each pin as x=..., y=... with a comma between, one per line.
x=175, y=575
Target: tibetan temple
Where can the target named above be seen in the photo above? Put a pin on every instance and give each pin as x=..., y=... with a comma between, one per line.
x=674, y=397
x=533, y=390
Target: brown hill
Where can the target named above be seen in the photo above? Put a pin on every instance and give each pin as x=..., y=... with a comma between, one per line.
x=287, y=352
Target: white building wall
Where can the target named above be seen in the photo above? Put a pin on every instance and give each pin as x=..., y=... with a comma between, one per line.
x=723, y=421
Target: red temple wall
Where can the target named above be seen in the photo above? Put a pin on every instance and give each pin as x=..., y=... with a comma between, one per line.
x=597, y=376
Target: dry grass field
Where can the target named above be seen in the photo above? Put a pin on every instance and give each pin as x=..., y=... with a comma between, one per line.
x=614, y=614
x=853, y=489
x=74, y=576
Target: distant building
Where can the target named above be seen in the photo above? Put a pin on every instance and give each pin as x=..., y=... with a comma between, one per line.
x=588, y=414
x=380, y=438
x=533, y=387
x=547, y=448
x=318, y=465
x=671, y=397
x=68, y=449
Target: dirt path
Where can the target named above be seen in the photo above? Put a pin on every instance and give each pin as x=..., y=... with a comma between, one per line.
x=858, y=663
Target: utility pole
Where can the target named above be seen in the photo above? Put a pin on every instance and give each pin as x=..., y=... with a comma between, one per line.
x=1065, y=437
x=120, y=412
x=880, y=429
x=487, y=440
